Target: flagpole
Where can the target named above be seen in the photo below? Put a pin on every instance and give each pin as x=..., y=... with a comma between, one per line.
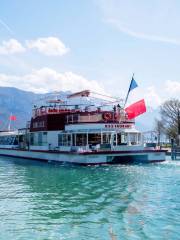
x=9, y=126
x=128, y=91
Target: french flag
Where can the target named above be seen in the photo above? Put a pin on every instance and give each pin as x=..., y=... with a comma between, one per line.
x=138, y=107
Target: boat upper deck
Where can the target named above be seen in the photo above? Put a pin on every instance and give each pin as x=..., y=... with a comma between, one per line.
x=77, y=109
x=58, y=121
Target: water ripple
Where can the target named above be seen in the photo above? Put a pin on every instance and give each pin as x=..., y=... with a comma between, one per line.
x=49, y=201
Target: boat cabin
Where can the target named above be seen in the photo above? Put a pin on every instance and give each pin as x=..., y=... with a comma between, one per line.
x=89, y=139
x=12, y=139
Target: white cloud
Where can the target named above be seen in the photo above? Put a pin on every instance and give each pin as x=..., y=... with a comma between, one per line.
x=172, y=88
x=155, y=97
x=48, y=80
x=152, y=98
x=50, y=46
x=11, y=46
x=149, y=94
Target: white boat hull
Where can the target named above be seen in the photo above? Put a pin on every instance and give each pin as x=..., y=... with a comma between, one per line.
x=89, y=158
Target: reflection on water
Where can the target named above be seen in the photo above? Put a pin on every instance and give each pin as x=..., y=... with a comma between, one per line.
x=51, y=201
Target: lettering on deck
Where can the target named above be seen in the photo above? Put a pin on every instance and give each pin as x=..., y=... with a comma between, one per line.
x=118, y=125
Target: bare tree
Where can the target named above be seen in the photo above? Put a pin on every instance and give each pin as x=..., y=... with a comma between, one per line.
x=159, y=128
x=170, y=114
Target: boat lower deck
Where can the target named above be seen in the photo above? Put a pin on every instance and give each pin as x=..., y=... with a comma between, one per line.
x=89, y=158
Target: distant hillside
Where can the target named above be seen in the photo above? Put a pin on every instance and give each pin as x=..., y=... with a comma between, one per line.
x=19, y=103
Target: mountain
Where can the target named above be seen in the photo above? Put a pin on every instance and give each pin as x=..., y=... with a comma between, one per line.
x=19, y=103
x=16, y=102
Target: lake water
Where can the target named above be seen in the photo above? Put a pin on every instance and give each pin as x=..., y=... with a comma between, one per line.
x=51, y=201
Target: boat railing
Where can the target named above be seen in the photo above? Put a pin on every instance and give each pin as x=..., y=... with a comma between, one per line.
x=53, y=110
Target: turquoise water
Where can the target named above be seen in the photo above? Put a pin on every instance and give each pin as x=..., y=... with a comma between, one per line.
x=51, y=201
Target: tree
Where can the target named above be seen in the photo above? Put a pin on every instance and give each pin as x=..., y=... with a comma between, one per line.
x=170, y=114
x=159, y=128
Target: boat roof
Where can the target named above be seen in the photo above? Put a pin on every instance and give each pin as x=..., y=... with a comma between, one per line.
x=9, y=133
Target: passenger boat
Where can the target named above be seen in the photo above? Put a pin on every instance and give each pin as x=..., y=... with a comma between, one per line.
x=76, y=130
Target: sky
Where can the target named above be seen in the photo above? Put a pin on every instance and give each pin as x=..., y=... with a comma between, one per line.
x=73, y=45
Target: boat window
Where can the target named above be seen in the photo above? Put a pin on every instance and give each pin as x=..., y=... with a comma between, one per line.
x=106, y=138
x=64, y=139
x=133, y=138
x=16, y=140
x=34, y=139
x=118, y=138
x=60, y=140
x=31, y=139
x=44, y=138
x=38, y=124
x=72, y=118
x=121, y=138
x=74, y=139
x=124, y=138
x=21, y=138
x=38, y=139
x=9, y=140
x=81, y=139
x=94, y=138
x=114, y=139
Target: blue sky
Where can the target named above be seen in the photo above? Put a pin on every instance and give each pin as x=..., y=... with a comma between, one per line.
x=96, y=44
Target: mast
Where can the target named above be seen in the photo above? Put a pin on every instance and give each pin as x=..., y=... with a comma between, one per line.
x=9, y=125
x=132, y=85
